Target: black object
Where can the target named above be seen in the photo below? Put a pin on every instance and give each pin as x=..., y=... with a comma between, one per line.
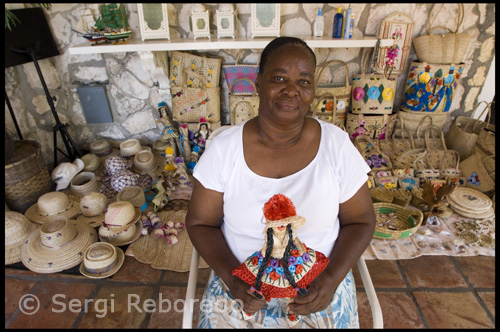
x=29, y=41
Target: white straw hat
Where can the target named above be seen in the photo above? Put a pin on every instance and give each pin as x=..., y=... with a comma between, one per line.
x=130, y=147
x=125, y=237
x=65, y=172
x=147, y=162
x=101, y=260
x=58, y=245
x=93, y=207
x=50, y=206
x=118, y=217
x=17, y=229
x=134, y=195
x=91, y=162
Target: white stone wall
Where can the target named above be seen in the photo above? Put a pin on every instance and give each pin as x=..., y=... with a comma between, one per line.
x=134, y=86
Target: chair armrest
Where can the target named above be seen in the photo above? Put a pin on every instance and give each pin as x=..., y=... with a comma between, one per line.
x=187, y=317
x=378, y=321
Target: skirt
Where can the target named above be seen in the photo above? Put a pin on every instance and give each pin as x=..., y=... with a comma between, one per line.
x=218, y=309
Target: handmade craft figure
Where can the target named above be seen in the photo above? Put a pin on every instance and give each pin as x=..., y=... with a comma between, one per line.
x=184, y=138
x=181, y=174
x=169, y=134
x=285, y=266
x=201, y=136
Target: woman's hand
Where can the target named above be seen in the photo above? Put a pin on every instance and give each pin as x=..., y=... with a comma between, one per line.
x=240, y=291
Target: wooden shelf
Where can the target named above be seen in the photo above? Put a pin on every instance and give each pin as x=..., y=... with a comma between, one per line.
x=189, y=44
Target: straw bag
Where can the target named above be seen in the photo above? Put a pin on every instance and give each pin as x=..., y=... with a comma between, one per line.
x=412, y=121
x=189, y=104
x=430, y=87
x=243, y=106
x=238, y=71
x=373, y=93
x=464, y=133
x=397, y=145
x=437, y=155
x=373, y=126
x=208, y=68
x=374, y=158
x=446, y=48
x=485, y=144
x=331, y=100
x=478, y=177
x=422, y=171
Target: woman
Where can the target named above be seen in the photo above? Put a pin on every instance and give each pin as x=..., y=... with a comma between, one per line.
x=282, y=151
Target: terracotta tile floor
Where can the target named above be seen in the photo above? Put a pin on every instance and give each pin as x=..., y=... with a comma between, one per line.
x=425, y=292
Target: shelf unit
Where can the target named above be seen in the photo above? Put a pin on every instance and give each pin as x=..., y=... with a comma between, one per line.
x=189, y=44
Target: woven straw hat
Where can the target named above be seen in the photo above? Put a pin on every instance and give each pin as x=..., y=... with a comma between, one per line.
x=58, y=245
x=51, y=205
x=159, y=147
x=91, y=162
x=102, y=149
x=115, y=164
x=17, y=229
x=130, y=147
x=93, y=207
x=125, y=237
x=84, y=183
x=146, y=162
x=134, y=195
x=65, y=172
x=101, y=260
x=118, y=217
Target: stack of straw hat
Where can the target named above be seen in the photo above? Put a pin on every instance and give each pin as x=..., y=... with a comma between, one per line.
x=17, y=230
x=122, y=224
x=146, y=162
x=101, y=260
x=58, y=245
x=52, y=205
x=129, y=148
x=471, y=203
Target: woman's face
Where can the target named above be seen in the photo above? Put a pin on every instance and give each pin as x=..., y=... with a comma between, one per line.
x=286, y=87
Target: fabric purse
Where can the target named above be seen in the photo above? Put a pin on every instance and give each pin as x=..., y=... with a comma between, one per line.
x=235, y=73
x=373, y=93
x=464, y=133
x=243, y=106
x=208, y=68
x=431, y=87
x=442, y=49
x=332, y=100
x=190, y=104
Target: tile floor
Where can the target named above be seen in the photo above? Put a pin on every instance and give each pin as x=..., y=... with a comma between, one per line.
x=425, y=292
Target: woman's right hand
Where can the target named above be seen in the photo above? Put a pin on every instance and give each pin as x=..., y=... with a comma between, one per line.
x=241, y=292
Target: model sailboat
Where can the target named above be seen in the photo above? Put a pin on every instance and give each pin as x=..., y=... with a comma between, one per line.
x=86, y=27
x=113, y=22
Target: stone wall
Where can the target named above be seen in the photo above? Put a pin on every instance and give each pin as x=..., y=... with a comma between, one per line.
x=134, y=85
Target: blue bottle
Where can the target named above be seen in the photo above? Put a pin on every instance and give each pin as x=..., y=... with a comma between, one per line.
x=338, y=20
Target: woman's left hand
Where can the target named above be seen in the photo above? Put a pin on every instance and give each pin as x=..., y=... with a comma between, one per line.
x=319, y=295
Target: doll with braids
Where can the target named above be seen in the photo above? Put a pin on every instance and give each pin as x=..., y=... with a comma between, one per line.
x=284, y=267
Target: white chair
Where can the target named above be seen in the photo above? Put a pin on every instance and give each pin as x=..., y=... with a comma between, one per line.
x=187, y=318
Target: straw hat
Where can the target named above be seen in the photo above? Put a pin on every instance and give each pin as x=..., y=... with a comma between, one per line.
x=134, y=195
x=101, y=260
x=91, y=162
x=58, y=245
x=93, y=207
x=51, y=205
x=118, y=217
x=159, y=147
x=84, y=183
x=146, y=162
x=102, y=149
x=125, y=237
x=130, y=147
x=128, y=178
x=17, y=229
x=115, y=164
x=65, y=172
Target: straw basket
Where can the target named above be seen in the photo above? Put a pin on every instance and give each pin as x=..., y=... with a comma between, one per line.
x=26, y=176
x=408, y=220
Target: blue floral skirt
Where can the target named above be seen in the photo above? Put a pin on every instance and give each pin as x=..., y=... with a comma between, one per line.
x=218, y=309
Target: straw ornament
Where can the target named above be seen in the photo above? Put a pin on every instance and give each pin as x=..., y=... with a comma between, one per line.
x=51, y=205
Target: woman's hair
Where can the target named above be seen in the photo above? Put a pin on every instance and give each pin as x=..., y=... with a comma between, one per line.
x=277, y=43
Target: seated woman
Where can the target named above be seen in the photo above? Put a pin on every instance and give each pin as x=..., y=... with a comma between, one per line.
x=281, y=151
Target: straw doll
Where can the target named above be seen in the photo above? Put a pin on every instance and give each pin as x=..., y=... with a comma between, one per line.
x=285, y=266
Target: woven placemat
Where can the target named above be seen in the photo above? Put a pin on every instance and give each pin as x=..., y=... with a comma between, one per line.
x=470, y=199
x=160, y=253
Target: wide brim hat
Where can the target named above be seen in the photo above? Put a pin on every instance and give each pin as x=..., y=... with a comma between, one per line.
x=50, y=206
x=101, y=260
x=118, y=217
x=58, y=245
x=125, y=237
x=17, y=229
x=134, y=195
x=93, y=208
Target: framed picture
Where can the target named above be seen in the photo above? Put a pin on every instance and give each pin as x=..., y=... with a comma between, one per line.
x=399, y=27
x=200, y=23
x=265, y=19
x=225, y=21
x=153, y=20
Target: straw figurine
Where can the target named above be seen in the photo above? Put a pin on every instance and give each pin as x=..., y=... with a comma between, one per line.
x=285, y=266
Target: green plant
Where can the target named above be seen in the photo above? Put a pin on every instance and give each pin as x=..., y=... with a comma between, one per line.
x=11, y=19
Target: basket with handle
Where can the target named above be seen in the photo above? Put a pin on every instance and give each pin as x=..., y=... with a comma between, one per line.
x=438, y=156
x=234, y=74
x=446, y=48
x=402, y=221
x=243, y=106
x=376, y=160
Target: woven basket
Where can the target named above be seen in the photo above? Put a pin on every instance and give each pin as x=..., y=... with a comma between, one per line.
x=26, y=176
x=447, y=48
x=485, y=144
x=412, y=121
x=381, y=195
x=402, y=197
x=409, y=220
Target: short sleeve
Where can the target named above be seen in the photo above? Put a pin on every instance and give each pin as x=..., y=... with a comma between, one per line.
x=353, y=171
x=208, y=169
